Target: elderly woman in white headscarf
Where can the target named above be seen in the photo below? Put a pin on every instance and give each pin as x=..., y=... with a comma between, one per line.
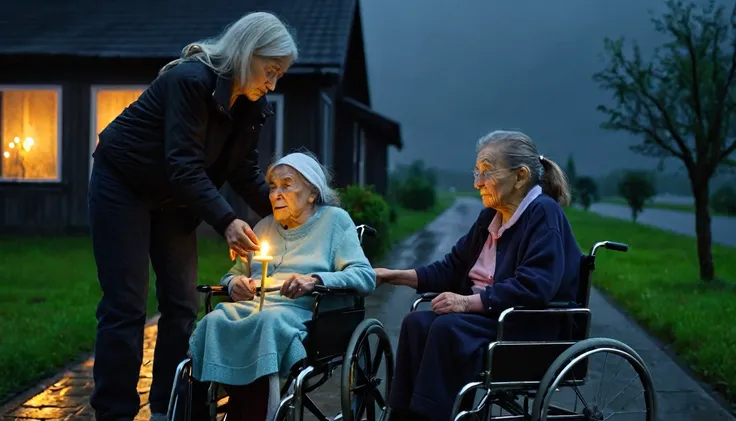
x=312, y=242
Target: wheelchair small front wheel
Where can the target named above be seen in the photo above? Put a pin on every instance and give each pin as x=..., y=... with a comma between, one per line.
x=367, y=373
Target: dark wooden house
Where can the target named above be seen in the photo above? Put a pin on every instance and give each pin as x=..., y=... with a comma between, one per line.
x=69, y=67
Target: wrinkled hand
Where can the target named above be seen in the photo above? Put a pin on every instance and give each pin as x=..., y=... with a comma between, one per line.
x=298, y=285
x=241, y=238
x=383, y=276
x=243, y=288
x=449, y=302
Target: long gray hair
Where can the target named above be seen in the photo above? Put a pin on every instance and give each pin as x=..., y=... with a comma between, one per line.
x=257, y=33
x=517, y=150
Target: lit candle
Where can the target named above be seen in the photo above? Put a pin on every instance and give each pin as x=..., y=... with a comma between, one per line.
x=264, y=258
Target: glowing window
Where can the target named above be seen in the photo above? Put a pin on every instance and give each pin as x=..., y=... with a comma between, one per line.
x=107, y=103
x=30, y=127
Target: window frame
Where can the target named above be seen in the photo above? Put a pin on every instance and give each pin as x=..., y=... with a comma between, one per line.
x=59, y=130
x=327, y=128
x=93, y=90
x=359, y=151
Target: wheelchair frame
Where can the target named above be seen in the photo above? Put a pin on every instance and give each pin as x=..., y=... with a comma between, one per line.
x=548, y=365
x=335, y=338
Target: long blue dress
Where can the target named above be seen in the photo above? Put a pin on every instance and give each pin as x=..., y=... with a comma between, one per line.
x=235, y=344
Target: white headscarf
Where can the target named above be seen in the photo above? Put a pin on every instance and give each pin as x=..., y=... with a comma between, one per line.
x=309, y=168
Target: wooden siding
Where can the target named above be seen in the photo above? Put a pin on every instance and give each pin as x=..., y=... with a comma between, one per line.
x=59, y=208
x=376, y=163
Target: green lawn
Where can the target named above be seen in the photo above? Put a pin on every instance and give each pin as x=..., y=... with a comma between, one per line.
x=409, y=222
x=50, y=294
x=657, y=282
x=665, y=206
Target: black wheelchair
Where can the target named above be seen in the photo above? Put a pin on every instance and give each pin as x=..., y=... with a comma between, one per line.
x=337, y=338
x=552, y=373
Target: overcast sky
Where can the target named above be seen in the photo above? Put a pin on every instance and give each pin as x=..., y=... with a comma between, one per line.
x=451, y=70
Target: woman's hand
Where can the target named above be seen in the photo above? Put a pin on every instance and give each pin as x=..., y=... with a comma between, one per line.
x=243, y=288
x=298, y=285
x=383, y=276
x=241, y=238
x=449, y=302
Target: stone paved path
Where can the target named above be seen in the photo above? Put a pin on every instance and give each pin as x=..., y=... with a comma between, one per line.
x=65, y=397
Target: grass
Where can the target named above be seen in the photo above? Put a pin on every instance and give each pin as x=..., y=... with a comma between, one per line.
x=664, y=206
x=657, y=283
x=410, y=221
x=50, y=294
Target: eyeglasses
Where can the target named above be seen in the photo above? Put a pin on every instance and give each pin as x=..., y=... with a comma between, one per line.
x=488, y=174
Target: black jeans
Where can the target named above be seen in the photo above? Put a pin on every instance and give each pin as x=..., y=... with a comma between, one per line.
x=126, y=230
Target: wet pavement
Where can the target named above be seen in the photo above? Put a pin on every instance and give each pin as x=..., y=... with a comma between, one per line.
x=66, y=395
x=723, y=228
x=680, y=397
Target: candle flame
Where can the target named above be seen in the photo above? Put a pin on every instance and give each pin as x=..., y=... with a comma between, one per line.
x=264, y=249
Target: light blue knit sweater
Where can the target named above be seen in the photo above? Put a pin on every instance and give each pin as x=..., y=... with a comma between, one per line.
x=235, y=345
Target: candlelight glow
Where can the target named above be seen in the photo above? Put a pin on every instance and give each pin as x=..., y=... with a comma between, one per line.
x=264, y=249
x=30, y=134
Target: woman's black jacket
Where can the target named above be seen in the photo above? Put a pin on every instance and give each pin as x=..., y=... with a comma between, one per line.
x=181, y=141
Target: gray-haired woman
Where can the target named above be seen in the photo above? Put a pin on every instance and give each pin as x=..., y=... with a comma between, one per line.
x=157, y=173
x=519, y=252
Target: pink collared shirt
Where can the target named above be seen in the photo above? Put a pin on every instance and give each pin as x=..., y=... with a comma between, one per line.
x=484, y=268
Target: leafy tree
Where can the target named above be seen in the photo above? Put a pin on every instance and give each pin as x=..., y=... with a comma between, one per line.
x=587, y=191
x=636, y=187
x=681, y=102
x=571, y=177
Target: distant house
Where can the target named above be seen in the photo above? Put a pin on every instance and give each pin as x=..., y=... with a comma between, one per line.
x=67, y=68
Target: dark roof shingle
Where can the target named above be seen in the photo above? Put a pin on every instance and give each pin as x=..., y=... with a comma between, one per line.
x=161, y=28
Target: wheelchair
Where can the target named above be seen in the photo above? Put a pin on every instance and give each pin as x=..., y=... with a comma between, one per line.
x=551, y=373
x=335, y=339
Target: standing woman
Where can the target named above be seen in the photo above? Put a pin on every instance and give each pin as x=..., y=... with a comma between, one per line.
x=157, y=173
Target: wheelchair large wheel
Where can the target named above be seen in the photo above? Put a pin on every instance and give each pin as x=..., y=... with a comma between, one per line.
x=368, y=351
x=580, y=373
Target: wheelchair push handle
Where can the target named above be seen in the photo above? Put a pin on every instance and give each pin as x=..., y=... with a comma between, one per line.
x=609, y=245
x=367, y=229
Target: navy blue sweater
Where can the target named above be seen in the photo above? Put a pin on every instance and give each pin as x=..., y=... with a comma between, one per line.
x=537, y=261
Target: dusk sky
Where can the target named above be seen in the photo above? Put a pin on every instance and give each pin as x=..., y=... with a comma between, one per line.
x=451, y=70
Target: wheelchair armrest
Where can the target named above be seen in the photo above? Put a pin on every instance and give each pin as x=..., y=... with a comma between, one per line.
x=213, y=289
x=555, y=308
x=424, y=298
x=333, y=291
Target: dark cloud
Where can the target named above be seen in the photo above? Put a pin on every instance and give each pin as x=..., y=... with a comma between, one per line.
x=451, y=70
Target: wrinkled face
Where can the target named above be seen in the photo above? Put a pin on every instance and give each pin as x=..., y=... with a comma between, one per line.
x=292, y=198
x=497, y=183
x=264, y=72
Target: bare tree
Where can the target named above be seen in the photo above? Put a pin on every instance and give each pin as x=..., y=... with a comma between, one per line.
x=682, y=101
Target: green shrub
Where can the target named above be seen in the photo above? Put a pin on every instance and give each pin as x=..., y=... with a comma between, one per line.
x=414, y=187
x=417, y=194
x=586, y=191
x=724, y=200
x=367, y=207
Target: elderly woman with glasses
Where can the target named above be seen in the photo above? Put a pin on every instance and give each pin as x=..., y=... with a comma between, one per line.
x=519, y=252
x=313, y=241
